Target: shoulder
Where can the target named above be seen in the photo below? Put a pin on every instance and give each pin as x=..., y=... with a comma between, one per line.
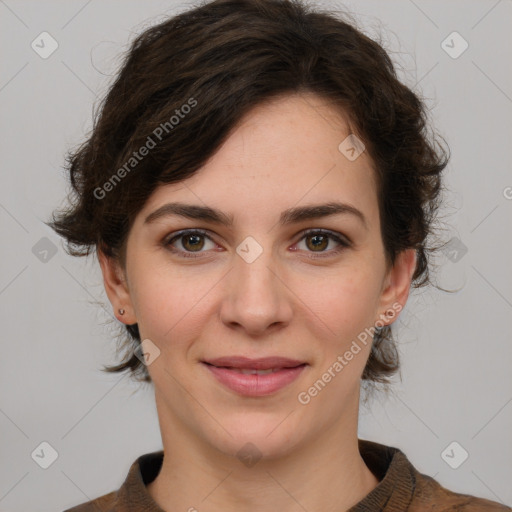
x=403, y=488
x=132, y=495
x=104, y=503
x=430, y=495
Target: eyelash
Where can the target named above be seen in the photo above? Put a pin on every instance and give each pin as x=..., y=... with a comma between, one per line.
x=344, y=243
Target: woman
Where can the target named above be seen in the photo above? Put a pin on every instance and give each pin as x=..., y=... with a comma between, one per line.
x=259, y=189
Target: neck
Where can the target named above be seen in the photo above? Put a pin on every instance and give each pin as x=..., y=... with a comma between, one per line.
x=326, y=473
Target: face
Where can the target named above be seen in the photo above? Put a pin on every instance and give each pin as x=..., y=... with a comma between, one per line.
x=267, y=285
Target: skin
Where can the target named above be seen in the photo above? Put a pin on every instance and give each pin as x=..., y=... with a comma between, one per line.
x=283, y=154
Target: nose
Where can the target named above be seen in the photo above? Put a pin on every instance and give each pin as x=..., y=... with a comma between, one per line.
x=256, y=297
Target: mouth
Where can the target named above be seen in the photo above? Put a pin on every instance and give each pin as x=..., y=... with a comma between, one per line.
x=255, y=377
x=253, y=371
x=262, y=363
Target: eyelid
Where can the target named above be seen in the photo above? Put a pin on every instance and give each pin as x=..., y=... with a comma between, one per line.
x=333, y=234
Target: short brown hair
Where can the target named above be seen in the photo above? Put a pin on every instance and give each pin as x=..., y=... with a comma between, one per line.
x=221, y=59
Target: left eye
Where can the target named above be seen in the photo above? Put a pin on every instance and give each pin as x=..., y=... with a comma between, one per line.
x=320, y=240
x=192, y=241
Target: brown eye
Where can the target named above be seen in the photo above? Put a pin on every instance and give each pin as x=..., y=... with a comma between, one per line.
x=192, y=242
x=317, y=241
x=185, y=243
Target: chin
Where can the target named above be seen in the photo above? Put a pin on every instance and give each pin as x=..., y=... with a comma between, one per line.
x=254, y=436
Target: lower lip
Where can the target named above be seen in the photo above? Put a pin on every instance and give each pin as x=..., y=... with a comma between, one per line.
x=255, y=385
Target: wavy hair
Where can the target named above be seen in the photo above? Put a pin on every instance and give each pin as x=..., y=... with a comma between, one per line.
x=228, y=56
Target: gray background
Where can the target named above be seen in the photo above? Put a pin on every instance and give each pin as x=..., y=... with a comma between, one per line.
x=456, y=351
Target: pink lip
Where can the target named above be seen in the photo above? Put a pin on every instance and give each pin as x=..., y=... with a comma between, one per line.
x=256, y=385
x=262, y=363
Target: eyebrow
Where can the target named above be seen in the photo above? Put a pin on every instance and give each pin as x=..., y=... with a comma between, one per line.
x=290, y=216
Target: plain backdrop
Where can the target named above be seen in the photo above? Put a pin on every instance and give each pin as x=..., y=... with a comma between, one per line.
x=456, y=379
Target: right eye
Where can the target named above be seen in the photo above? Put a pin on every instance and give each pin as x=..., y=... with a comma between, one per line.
x=190, y=241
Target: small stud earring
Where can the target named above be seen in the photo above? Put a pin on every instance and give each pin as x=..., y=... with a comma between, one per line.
x=121, y=312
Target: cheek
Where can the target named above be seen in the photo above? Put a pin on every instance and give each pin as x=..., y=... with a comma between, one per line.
x=349, y=311
x=350, y=300
x=168, y=303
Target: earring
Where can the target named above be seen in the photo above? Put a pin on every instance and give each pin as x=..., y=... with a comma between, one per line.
x=121, y=312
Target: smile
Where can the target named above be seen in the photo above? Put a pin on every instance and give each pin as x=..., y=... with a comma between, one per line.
x=255, y=382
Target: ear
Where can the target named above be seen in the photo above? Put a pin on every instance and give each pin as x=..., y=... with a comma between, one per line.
x=397, y=284
x=116, y=287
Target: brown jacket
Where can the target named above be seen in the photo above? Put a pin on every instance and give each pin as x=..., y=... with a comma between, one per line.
x=401, y=488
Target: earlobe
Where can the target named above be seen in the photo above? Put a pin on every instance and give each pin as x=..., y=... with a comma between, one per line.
x=116, y=288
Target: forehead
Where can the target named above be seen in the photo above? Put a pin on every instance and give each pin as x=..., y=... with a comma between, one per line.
x=281, y=154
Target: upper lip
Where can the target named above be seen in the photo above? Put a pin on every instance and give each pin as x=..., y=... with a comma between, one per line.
x=263, y=363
